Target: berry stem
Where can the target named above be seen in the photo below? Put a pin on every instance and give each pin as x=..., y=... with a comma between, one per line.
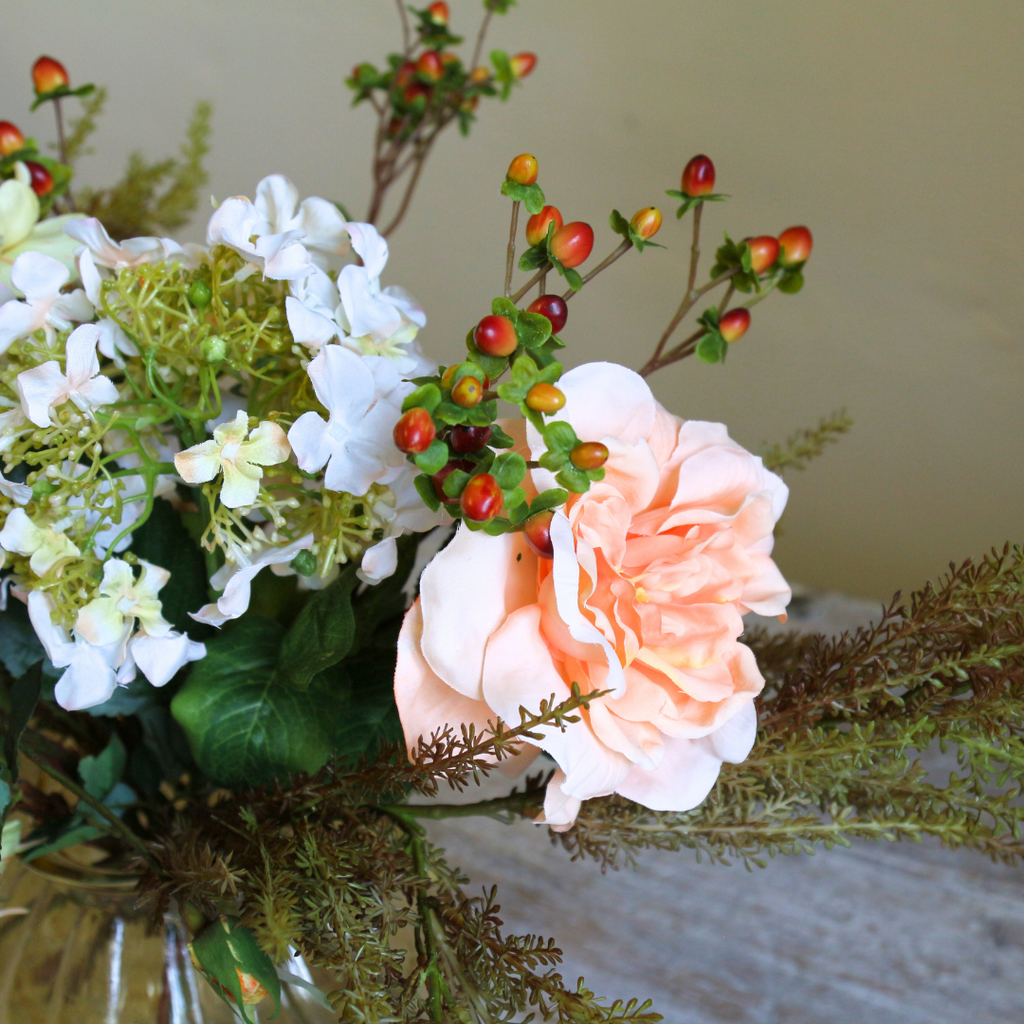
x=406, y=37
x=622, y=248
x=62, y=147
x=510, y=254
x=694, y=249
x=484, y=25
x=529, y=284
x=724, y=304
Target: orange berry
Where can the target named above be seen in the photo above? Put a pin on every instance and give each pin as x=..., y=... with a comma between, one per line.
x=699, y=176
x=479, y=74
x=733, y=325
x=573, y=243
x=496, y=336
x=589, y=455
x=537, y=530
x=415, y=431
x=11, y=139
x=438, y=12
x=523, y=169
x=545, y=398
x=48, y=74
x=537, y=225
x=482, y=499
x=646, y=222
x=764, y=249
x=522, y=63
x=430, y=65
x=796, y=244
x=467, y=392
x=405, y=75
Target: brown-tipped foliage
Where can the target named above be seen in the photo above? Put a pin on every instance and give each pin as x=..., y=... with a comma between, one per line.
x=807, y=444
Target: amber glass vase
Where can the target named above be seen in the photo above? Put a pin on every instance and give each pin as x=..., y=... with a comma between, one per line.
x=73, y=950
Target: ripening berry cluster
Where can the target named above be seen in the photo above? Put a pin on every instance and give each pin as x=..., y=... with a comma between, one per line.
x=430, y=83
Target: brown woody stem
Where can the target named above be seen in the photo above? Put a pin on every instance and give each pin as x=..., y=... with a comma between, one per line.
x=620, y=250
x=510, y=254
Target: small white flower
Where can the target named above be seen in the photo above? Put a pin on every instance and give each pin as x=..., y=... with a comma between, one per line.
x=369, y=310
x=100, y=252
x=238, y=458
x=122, y=599
x=44, y=546
x=40, y=279
x=45, y=386
x=280, y=256
x=20, y=494
x=236, y=581
x=324, y=232
x=162, y=657
x=114, y=343
x=363, y=397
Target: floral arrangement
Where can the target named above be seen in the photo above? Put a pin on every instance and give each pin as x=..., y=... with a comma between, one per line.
x=176, y=419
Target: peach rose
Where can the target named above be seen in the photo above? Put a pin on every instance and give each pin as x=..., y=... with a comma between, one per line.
x=653, y=569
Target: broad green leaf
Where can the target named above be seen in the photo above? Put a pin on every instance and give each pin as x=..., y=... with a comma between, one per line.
x=455, y=483
x=19, y=646
x=509, y=470
x=22, y=700
x=434, y=458
x=427, y=396
x=573, y=479
x=246, y=727
x=322, y=633
x=551, y=498
x=791, y=282
x=499, y=439
x=560, y=436
x=533, y=329
x=533, y=200
x=101, y=773
x=425, y=489
x=505, y=307
x=711, y=348
x=534, y=258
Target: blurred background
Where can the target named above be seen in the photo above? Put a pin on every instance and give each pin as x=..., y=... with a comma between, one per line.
x=892, y=130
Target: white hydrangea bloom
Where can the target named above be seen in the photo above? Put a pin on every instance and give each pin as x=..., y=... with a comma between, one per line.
x=44, y=546
x=40, y=279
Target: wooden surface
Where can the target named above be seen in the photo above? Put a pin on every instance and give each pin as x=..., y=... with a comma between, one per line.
x=880, y=933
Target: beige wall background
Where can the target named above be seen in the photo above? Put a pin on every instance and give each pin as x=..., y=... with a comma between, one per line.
x=894, y=130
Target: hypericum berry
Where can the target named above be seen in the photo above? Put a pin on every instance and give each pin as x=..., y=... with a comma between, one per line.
x=304, y=563
x=415, y=431
x=522, y=63
x=482, y=498
x=405, y=75
x=199, y=294
x=545, y=398
x=430, y=66
x=699, y=176
x=537, y=531
x=589, y=455
x=448, y=58
x=466, y=440
x=646, y=222
x=496, y=336
x=796, y=244
x=554, y=307
x=479, y=74
x=467, y=392
x=11, y=139
x=48, y=74
x=442, y=474
x=523, y=169
x=39, y=178
x=764, y=250
x=733, y=325
x=572, y=244
x=417, y=91
x=438, y=12
x=470, y=103
x=537, y=225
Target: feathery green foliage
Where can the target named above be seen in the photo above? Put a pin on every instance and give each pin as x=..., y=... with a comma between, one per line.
x=75, y=146
x=806, y=444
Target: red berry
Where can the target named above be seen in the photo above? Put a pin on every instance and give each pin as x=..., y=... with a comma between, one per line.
x=554, y=307
x=523, y=169
x=537, y=225
x=415, y=431
x=465, y=440
x=571, y=244
x=442, y=474
x=522, y=63
x=763, y=252
x=589, y=455
x=438, y=12
x=796, y=244
x=699, y=176
x=417, y=91
x=733, y=325
x=496, y=336
x=646, y=222
x=11, y=139
x=48, y=74
x=467, y=392
x=537, y=530
x=405, y=75
x=482, y=499
x=40, y=178
x=545, y=398
x=430, y=66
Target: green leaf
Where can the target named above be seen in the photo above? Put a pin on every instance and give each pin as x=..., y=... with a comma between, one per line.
x=481, y=415
x=19, y=646
x=551, y=498
x=450, y=413
x=518, y=513
x=554, y=460
x=434, y=458
x=573, y=479
x=791, y=282
x=524, y=371
x=322, y=633
x=572, y=278
x=101, y=773
x=164, y=541
x=560, y=436
x=496, y=527
x=534, y=198
x=245, y=727
x=533, y=329
x=503, y=74
x=509, y=470
x=24, y=695
x=455, y=483
x=499, y=439
x=619, y=224
x=550, y=373
x=491, y=365
x=425, y=488
x=505, y=307
x=711, y=348
x=427, y=396
x=535, y=257
x=514, y=191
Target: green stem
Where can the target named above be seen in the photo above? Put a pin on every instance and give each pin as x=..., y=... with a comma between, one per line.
x=483, y=808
